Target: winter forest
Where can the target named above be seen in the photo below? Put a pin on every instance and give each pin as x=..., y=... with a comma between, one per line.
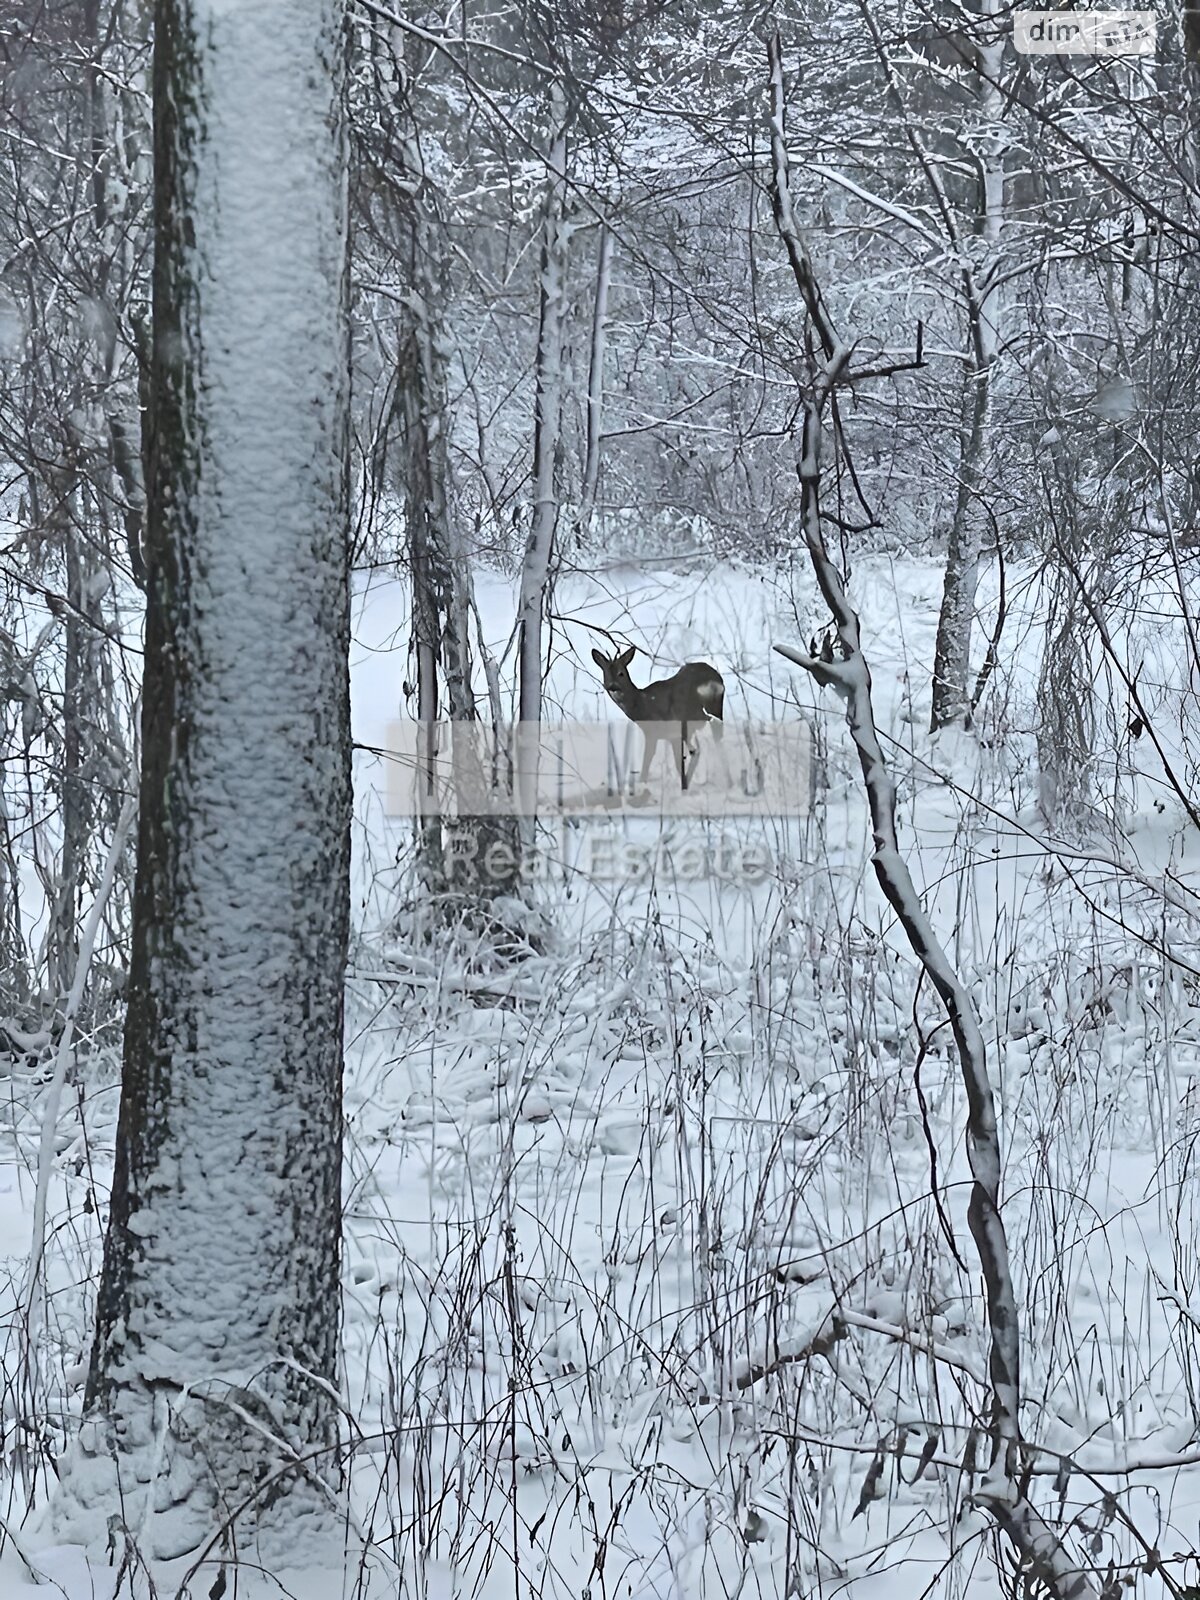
x=599, y=807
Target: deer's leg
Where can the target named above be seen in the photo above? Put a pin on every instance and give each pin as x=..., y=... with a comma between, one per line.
x=718, y=732
x=651, y=743
x=717, y=729
x=681, y=757
x=689, y=745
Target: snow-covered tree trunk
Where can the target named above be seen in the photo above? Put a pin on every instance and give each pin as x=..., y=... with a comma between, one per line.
x=214, y=1365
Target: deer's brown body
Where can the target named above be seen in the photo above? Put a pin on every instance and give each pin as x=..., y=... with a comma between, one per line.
x=673, y=708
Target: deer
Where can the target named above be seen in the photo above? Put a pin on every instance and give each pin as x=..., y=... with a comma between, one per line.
x=694, y=698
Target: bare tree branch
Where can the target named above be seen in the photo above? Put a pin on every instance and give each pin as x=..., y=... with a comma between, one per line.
x=847, y=672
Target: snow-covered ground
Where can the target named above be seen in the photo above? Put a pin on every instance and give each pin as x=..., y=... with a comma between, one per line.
x=657, y=1275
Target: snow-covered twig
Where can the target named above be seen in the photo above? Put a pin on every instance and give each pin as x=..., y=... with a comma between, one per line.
x=835, y=1327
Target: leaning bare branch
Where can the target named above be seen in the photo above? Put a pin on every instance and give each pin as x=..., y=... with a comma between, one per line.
x=1040, y=1550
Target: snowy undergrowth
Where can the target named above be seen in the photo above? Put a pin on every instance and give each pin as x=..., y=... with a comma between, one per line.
x=657, y=1275
x=648, y=1290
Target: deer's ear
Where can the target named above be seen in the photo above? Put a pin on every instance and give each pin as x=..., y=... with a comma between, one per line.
x=601, y=661
x=626, y=656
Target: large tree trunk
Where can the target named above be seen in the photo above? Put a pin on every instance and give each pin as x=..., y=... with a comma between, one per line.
x=217, y=1324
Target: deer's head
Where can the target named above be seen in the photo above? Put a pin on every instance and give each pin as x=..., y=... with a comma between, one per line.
x=618, y=685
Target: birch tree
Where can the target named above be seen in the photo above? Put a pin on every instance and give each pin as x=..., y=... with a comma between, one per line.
x=209, y=1403
x=978, y=258
x=547, y=427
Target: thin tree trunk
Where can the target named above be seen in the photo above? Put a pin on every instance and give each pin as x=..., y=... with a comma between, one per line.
x=62, y=934
x=214, y=1363
x=981, y=299
x=14, y=962
x=595, y=394
x=474, y=854
x=952, y=650
x=547, y=427
x=420, y=473
x=964, y=549
x=538, y=568
x=1066, y=711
